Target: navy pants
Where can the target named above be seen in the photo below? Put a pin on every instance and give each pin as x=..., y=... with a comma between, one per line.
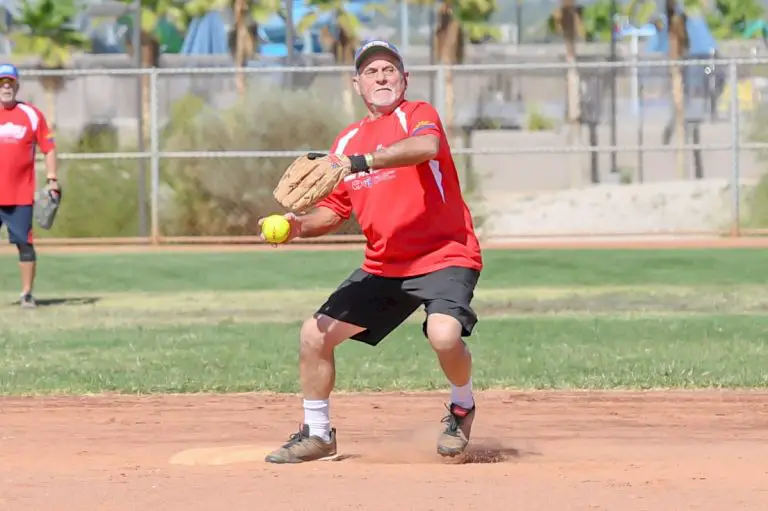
x=18, y=221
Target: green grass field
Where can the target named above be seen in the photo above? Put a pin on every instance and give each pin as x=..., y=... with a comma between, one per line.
x=187, y=322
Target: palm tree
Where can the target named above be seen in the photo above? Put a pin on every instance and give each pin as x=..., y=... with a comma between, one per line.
x=47, y=32
x=677, y=34
x=456, y=21
x=567, y=21
x=640, y=12
x=153, y=13
x=598, y=25
x=248, y=15
x=728, y=19
x=341, y=44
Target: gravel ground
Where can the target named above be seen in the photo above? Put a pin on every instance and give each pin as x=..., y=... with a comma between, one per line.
x=667, y=207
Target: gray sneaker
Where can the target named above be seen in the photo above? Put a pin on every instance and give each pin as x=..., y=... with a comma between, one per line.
x=302, y=447
x=27, y=301
x=455, y=438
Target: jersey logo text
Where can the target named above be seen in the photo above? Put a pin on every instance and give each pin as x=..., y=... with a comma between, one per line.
x=12, y=131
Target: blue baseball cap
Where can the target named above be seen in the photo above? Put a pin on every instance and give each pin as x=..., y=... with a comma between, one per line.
x=9, y=71
x=376, y=46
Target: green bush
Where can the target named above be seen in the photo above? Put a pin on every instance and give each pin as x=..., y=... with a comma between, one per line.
x=100, y=197
x=536, y=120
x=226, y=196
x=755, y=202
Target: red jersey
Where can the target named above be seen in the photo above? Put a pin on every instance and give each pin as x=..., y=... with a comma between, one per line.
x=23, y=129
x=414, y=218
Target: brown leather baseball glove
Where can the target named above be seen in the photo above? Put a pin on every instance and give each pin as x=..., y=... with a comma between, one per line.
x=313, y=177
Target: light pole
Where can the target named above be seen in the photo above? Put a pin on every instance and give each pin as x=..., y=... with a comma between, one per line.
x=142, y=184
x=614, y=165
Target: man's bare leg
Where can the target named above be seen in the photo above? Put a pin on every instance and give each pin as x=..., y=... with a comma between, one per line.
x=317, y=366
x=28, y=270
x=444, y=333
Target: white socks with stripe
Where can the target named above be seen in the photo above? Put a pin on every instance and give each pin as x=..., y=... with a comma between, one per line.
x=462, y=396
x=317, y=417
x=317, y=411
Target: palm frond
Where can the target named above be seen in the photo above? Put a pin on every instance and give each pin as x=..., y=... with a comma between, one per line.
x=47, y=31
x=307, y=22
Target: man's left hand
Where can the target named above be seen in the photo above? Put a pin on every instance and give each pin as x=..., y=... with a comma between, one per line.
x=53, y=184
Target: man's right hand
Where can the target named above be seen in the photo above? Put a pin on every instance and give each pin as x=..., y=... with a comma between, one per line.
x=295, y=222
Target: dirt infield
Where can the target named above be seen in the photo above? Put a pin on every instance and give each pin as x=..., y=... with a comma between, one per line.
x=532, y=451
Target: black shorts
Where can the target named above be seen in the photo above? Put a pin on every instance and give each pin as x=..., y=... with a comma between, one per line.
x=381, y=304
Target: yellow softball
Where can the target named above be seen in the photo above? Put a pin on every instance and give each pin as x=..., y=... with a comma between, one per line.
x=276, y=228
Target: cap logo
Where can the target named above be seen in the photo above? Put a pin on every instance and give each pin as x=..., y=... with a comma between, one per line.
x=8, y=70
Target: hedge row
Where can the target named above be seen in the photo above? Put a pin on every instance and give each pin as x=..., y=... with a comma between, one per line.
x=205, y=196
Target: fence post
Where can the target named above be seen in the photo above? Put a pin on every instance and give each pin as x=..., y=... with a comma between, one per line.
x=733, y=81
x=154, y=139
x=440, y=91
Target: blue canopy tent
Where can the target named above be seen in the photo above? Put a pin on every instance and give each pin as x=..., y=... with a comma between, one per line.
x=206, y=35
x=701, y=40
x=703, y=83
x=8, y=10
x=701, y=46
x=272, y=33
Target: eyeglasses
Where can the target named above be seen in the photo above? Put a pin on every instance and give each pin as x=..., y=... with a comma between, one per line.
x=7, y=82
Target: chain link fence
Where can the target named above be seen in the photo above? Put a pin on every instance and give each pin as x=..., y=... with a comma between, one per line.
x=216, y=139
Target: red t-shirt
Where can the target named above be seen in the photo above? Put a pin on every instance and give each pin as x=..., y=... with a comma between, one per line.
x=23, y=129
x=414, y=218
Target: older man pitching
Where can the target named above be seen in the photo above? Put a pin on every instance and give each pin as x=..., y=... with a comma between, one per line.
x=421, y=250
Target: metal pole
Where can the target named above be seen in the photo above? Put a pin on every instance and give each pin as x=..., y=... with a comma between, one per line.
x=640, y=138
x=635, y=82
x=154, y=142
x=404, y=26
x=439, y=102
x=289, y=40
x=142, y=183
x=432, y=52
x=614, y=165
x=735, y=135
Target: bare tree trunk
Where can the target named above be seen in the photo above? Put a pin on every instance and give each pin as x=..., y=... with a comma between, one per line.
x=450, y=103
x=570, y=30
x=51, y=87
x=150, y=54
x=449, y=41
x=678, y=100
x=243, y=43
x=52, y=113
x=678, y=44
x=343, y=49
x=50, y=100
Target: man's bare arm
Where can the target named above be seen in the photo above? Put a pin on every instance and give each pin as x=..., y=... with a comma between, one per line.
x=51, y=168
x=318, y=222
x=409, y=151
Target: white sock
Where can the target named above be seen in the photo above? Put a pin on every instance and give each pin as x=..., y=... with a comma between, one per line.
x=316, y=416
x=462, y=396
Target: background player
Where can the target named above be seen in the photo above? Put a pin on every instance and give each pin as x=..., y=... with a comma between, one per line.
x=421, y=250
x=23, y=130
